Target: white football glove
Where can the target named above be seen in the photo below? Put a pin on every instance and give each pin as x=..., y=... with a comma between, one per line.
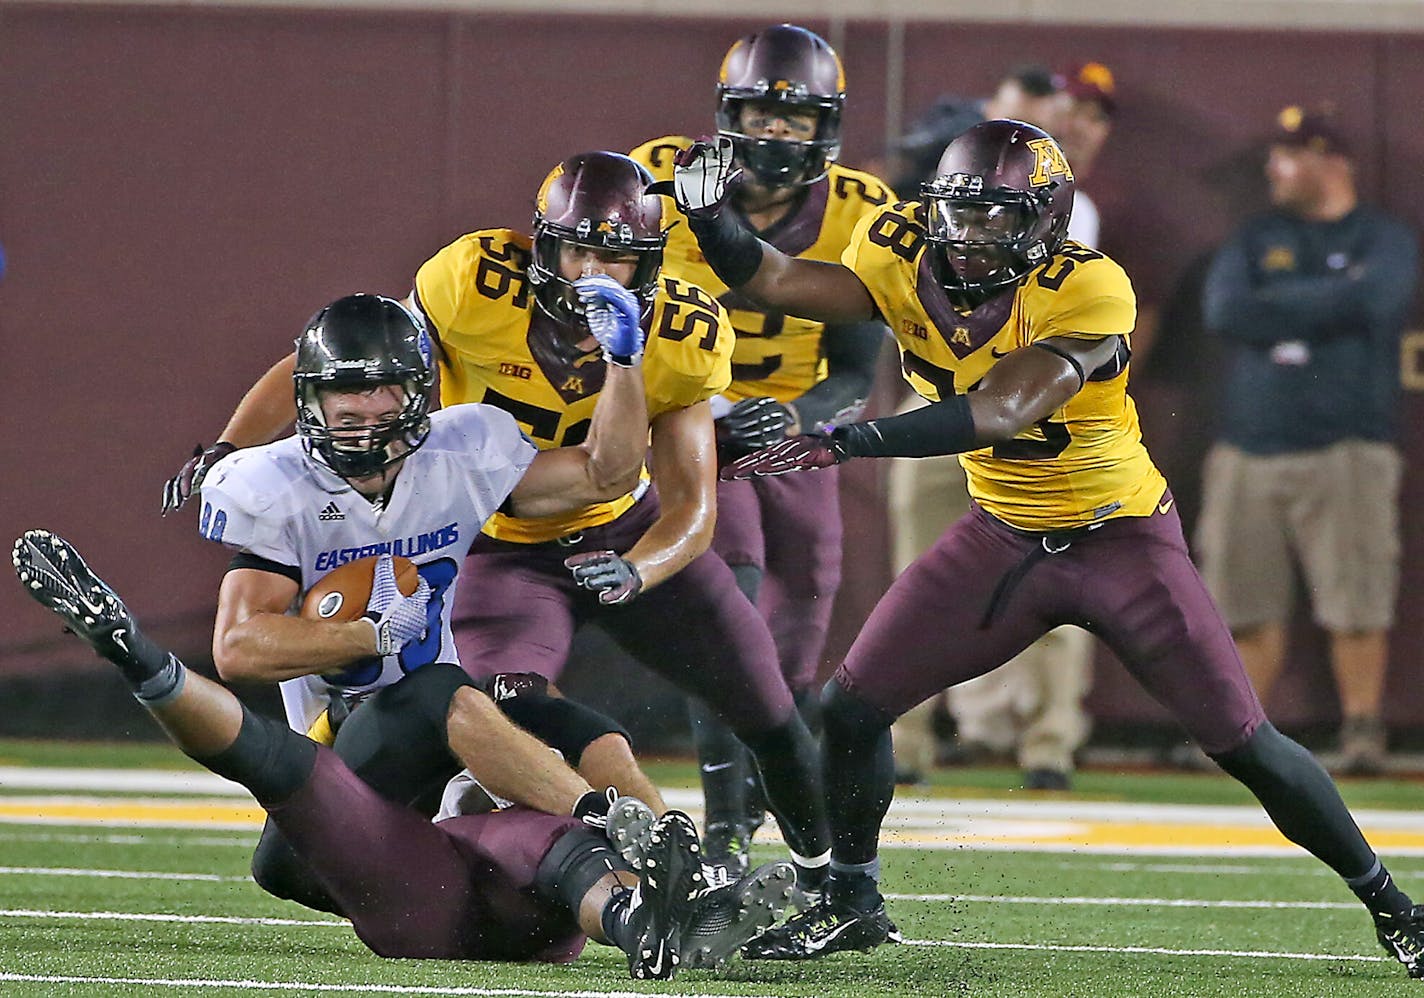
x=704, y=175
x=397, y=619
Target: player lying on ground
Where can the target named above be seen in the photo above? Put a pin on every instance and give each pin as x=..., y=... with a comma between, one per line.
x=513, y=884
x=1020, y=338
x=512, y=331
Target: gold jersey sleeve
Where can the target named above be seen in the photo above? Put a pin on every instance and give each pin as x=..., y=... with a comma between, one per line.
x=1083, y=463
x=776, y=354
x=497, y=347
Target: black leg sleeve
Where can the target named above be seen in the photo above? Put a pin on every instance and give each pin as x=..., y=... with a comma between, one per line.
x=726, y=767
x=723, y=763
x=786, y=757
x=1301, y=799
x=267, y=757
x=859, y=772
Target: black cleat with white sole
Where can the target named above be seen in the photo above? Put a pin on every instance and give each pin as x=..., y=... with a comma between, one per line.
x=1402, y=937
x=728, y=916
x=829, y=927
x=54, y=574
x=664, y=904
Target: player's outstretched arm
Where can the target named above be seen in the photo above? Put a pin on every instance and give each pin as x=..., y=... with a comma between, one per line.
x=1028, y=385
x=264, y=412
x=703, y=179
x=254, y=639
x=606, y=465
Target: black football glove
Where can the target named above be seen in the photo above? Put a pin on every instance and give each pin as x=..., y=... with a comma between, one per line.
x=615, y=579
x=180, y=488
x=751, y=425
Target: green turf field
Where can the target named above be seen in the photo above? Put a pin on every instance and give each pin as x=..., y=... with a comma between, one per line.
x=91, y=910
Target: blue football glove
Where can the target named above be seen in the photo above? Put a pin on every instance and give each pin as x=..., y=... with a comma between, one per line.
x=398, y=619
x=614, y=317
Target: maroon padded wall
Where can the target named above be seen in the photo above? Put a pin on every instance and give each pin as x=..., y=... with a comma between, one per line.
x=180, y=187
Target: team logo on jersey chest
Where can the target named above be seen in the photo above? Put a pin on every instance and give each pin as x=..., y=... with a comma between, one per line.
x=573, y=385
x=331, y=511
x=961, y=336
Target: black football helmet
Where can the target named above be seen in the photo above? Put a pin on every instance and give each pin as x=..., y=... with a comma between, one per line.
x=785, y=65
x=355, y=343
x=998, y=208
x=596, y=199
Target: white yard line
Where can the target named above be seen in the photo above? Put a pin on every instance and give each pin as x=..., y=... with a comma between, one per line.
x=64, y=871
x=137, y=916
x=1123, y=902
x=1150, y=950
x=385, y=989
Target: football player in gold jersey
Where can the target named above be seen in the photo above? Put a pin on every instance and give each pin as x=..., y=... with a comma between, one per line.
x=511, y=332
x=781, y=92
x=1020, y=339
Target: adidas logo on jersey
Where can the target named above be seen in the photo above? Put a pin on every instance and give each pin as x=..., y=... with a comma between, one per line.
x=331, y=512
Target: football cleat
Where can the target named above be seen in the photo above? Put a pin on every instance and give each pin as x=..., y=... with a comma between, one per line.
x=630, y=823
x=810, y=887
x=1402, y=936
x=829, y=927
x=728, y=916
x=728, y=844
x=664, y=905
x=54, y=574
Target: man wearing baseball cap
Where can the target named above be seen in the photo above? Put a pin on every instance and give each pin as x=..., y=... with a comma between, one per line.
x=1311, y=299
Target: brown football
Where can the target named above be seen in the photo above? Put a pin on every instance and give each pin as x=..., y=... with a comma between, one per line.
x=342, y=594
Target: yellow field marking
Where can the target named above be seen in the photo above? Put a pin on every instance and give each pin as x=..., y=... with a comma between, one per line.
x=97, y=811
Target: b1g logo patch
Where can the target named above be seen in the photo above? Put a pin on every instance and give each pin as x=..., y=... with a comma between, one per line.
x=330, y=605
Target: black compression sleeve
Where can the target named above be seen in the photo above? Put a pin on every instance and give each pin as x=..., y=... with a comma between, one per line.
x=946, y=427
x=733, y=252
x=246, y=559
x=852, y=350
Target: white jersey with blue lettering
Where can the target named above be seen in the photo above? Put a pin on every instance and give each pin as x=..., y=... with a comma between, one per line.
x=278, y=504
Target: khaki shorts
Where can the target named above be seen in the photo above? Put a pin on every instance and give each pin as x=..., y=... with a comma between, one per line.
x=1332, y=511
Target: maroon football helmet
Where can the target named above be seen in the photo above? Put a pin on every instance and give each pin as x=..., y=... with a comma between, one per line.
x=596, y=199
x=791, y=66
x=998, y=207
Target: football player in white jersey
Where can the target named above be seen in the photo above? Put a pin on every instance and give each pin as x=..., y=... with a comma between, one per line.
x=372, y=471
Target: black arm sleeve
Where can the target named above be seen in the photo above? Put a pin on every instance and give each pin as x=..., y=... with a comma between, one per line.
x=732, y=251
x=945, y=427
x=245, y=559
x=852, y=350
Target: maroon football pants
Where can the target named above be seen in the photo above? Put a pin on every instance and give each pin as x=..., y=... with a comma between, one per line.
x=790, y=528
x=518, y=607
x=462, y=889
x=1130, y=581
